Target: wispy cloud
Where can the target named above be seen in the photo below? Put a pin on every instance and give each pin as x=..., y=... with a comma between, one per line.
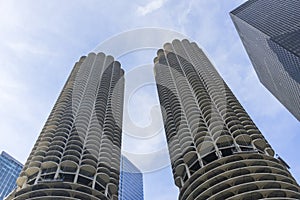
x=31, y=76
x=150, y=7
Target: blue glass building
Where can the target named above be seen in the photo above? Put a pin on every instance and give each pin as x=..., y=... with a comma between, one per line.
x=270, y=32
x=131, y=181
x=10, y=169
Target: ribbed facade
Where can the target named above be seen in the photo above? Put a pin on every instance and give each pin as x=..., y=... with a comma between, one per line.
x=10, y=169
x=131, y=181
x=216, y=150
x=77, y=154
x=270, y=32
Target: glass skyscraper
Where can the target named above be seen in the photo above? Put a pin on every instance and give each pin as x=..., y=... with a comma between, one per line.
x=216, y=150
x=270, y=32
x=131, y=181
x=77, y=154
x=10, y=169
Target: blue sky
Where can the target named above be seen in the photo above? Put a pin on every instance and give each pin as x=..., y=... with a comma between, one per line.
x=41, y=40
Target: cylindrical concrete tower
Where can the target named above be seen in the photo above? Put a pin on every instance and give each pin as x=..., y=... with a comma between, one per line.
x=77, y=155
x=216, y=150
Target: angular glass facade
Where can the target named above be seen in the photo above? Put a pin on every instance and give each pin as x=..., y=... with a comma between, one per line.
x=216, y=151
x=131, y=181
x=270, y=32
x=10, y=169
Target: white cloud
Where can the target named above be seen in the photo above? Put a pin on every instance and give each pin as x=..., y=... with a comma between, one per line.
x=30, y=33
x=19, y=118
x=23, y=49
x=150, y=7
x=183, y=17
